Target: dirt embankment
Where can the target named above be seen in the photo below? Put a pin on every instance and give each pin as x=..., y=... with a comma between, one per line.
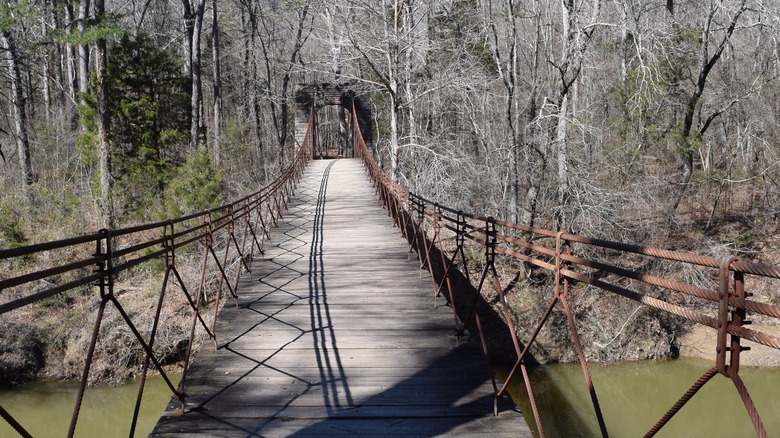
x=700, y=341
x=21, y=353
x=50, y=340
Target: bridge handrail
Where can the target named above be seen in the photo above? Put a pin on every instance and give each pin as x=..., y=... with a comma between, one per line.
x=426, y=224
x=746, y=267
x=119, y=250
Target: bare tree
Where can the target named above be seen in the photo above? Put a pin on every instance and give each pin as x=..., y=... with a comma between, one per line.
x=72, y=82
x=58, y=67
x=532, y=152
x=249, y=27
x=217, y=82
x=336, y=39
x=384, y=59
x=193, y=17
x=278, y=98
x=576, y=38
x=104, y=126
x=18, y=101
x=83, y=49
x=506, y=65
x=46, y=73
x=688, y=138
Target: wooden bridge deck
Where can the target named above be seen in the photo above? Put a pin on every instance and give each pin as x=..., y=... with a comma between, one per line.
x=336, y=334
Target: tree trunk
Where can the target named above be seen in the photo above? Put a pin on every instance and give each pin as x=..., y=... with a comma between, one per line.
x=18, y=100
x=534, y=179
x=217, y=83
x=70, y=63
x=83, y=50
x=46, y=74
x=409, y=29
x=195, y=69
x=104, y=126
x=282, y=133
x=30, y=92
x=563, y=164
x=246, y=68
x=506, y=64
x=58, y=80
x=689, y=139
x=576, y=39
x=254, y=92
x=189, y=23
x=394, y=138
x=623, y=42
x=336, y=43
x=511, y=82
x=391, y=55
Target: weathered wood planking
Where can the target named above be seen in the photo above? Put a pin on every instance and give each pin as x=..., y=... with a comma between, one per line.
x=336, y=333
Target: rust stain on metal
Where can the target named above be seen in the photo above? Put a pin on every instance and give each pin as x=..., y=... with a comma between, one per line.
x=216, y=229
x=500, y=237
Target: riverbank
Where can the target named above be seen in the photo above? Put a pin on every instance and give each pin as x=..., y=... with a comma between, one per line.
x=49, y=341
x=699, y=342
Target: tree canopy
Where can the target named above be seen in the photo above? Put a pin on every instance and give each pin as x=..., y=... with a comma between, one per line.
x=626, y=119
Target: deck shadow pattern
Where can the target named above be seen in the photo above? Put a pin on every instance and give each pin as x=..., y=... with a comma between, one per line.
x=336, y=333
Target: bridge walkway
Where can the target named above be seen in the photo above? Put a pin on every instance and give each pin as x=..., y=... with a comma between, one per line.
x=336, y=334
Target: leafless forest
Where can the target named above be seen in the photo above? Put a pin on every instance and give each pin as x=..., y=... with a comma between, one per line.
x=639, y=120
x=650, y=121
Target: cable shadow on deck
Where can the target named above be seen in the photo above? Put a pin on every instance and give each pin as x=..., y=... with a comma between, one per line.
x=330, y=387
x=332, y=376
x=254, y=317
x=348, y=351
x=443, y=397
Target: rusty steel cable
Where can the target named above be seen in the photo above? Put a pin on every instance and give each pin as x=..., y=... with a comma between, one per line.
x=532, y=400
x=682, y=401
x=645, y=278
x=113, y=257
x=14, y=424
x=530, y=342
x=47, y=246
x=88, y=363
x=536, y=254
x=144, y=370
x=755, y=419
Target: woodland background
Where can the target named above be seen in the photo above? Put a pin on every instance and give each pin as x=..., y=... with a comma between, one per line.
x=648, y=121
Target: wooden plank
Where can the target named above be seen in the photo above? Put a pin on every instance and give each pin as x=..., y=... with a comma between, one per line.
x=472, y=411
x=268, y=375
x=391, y=358
x=379, y=340
x=207, y=426
x=445, y=401
x=337, y=332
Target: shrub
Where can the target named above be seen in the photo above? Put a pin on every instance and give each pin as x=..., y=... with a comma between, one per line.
x=196, y=186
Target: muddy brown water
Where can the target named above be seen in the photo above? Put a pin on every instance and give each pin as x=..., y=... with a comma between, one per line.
x=45, y=408
x=635, y=395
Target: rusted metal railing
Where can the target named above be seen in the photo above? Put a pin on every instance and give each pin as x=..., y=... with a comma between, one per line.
x=572, y=259
x=239, y=229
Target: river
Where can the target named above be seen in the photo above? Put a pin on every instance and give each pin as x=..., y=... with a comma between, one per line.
x=635, y=395
x=45, y=408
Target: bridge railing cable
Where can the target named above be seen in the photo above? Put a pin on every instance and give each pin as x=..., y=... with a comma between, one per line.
x=708, y=291
x=231, y=234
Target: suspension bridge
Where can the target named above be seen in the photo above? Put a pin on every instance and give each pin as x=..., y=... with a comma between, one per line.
x=328, y=322
x=336, y=333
